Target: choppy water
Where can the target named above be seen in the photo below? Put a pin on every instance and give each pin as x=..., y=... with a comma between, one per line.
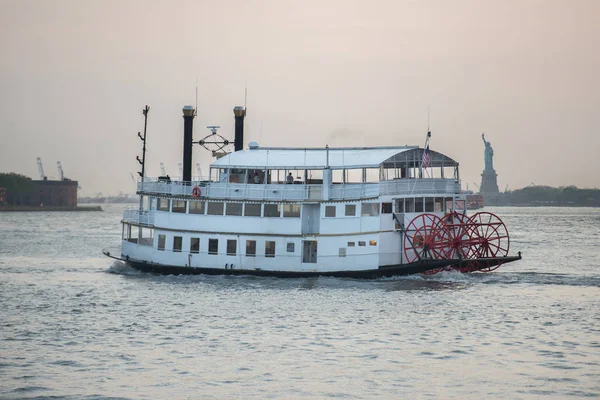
x=75, y=325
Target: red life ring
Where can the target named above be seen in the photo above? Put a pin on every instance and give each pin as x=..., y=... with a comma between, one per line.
x=196, y=192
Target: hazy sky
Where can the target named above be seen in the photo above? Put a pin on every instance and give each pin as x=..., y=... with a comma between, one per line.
x=75, y=75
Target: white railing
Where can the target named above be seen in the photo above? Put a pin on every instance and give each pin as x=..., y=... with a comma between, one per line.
x=137, y=217
x=419, y=186
x=298, y=192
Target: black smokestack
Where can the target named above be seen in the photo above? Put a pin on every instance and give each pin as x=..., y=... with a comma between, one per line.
x=240, y=113
x=188, y=124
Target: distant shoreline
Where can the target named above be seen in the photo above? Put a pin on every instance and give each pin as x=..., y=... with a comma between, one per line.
x=49, y=208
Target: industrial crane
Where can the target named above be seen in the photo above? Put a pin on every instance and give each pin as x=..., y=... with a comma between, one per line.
x=41, y=169
x=61, y=174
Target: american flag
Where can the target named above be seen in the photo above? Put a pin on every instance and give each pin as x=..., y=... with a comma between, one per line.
x=426, y=159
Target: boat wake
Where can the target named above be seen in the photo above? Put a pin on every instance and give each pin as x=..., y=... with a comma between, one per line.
x=121, y=268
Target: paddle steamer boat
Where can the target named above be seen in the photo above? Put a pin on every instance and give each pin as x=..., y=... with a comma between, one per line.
x=297, y=212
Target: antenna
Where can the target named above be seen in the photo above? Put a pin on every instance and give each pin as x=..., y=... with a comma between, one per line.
x=428, y=110
x=196, y=109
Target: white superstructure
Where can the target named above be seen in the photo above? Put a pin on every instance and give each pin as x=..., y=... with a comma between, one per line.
x=292, y=210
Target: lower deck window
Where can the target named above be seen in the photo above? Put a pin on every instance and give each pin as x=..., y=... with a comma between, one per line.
x=369, y=209
x=177, y=241
x=162, y=205
x=215, y=208
x=269, y=248
x=178, y=206
x=386, y=208
x=233, y=209
x=291, y=210
x=197, y=207
x=231, y=247
x=195, y=245
x=272, y=210
x=252, y=210
x=330, y=211
x=250, y=248
x=291, y=247
x=161, y=242
x=213, y=246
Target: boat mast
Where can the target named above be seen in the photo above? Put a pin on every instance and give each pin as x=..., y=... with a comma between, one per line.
x=143, y=160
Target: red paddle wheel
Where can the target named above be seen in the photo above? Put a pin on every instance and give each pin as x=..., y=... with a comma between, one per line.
x=457, y=237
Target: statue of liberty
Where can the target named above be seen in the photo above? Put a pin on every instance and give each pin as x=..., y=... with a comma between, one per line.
x=488, y=154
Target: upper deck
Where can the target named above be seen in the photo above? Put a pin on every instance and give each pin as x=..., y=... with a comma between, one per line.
x=326, y=174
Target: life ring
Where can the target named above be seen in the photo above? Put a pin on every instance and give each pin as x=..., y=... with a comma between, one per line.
x=196, y=192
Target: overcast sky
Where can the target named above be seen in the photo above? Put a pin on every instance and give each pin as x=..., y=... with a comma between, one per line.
x=75, y=75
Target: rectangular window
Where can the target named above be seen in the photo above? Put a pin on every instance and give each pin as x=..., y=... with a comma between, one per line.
x=177, y=240
x=372, y=242
x=351, y=244
x=179, y=206
x=449, y=205
x=215, y=208
x=250, y=248
x=213, y=246
x=231, y=247
x=252, y=210
x=330, y=211
x=386, y=208
x=161, y=241
x=152, y=203
x=361, y=243
x=163, y=205
x=419, y=204
x=272, y=210
x=399, y=206
x=291, y=210
x=429, y=204
x=439, y=204
x=290, y=247
x=195, y=245
x=409, y=205
x=369, y=209
x=233, y=209
x=350, y=210
x=342, y=252
x=197, y=207
x=270, y=248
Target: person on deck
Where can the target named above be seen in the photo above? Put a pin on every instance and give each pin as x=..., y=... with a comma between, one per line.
x=289, y=178
x=256, y=178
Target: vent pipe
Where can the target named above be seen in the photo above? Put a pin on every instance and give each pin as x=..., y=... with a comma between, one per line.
x=239, y=112
x=188, y=123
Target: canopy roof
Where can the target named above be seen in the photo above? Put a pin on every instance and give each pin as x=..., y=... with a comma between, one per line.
x=317, y=158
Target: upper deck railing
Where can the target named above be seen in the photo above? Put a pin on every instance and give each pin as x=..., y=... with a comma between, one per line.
x=298, y=192
x=138, y=217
